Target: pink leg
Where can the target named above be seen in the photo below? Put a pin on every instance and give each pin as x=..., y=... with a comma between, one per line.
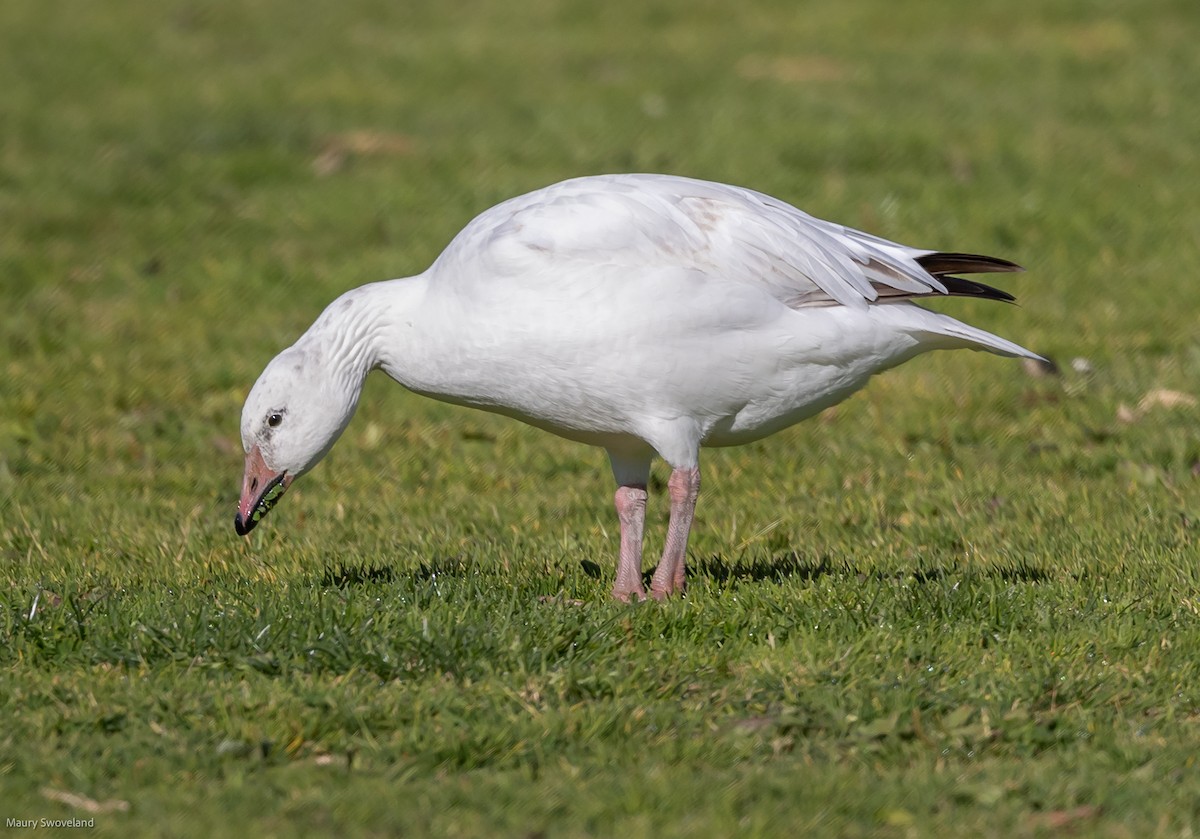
x=671, y=574
x=631, y=510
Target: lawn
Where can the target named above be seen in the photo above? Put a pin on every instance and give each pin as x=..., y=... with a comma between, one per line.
x=964, y=602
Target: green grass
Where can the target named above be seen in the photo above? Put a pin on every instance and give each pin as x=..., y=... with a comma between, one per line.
x=963, y=603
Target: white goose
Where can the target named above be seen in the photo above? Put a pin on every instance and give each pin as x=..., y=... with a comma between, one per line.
x=646, y=314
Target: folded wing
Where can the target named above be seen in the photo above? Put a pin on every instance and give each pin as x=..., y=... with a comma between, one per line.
x=654, y=221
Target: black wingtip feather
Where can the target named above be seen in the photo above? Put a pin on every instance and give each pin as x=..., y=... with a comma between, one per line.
x=965, y=263
x=958, y=287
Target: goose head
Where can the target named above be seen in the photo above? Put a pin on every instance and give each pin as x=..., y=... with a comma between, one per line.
x=292, y=417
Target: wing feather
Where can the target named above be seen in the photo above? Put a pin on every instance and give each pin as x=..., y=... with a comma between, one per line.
x=654, y=221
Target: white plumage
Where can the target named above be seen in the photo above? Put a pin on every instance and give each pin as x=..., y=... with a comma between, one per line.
x=646, y=314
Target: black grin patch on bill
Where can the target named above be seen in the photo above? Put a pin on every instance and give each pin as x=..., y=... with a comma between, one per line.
x=266, y=501
x=270, y=495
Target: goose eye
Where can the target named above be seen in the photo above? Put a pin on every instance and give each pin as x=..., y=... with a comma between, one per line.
x=274, y=419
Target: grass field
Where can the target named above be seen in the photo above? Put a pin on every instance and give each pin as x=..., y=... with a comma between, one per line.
x=965, y=602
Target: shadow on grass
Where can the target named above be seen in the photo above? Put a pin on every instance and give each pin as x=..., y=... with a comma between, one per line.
x=794, y=566
x=1022, y=572
x=785, y=566
x=789, y=566
x=344, y=576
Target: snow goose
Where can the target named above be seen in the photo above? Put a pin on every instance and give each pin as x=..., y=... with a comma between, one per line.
x=645, y=314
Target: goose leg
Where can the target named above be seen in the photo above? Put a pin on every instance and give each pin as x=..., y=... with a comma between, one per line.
x=671, y=575
x=631, y=510
x=632, y=471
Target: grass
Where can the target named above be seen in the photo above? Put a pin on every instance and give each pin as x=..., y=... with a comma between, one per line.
x=962, y=603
